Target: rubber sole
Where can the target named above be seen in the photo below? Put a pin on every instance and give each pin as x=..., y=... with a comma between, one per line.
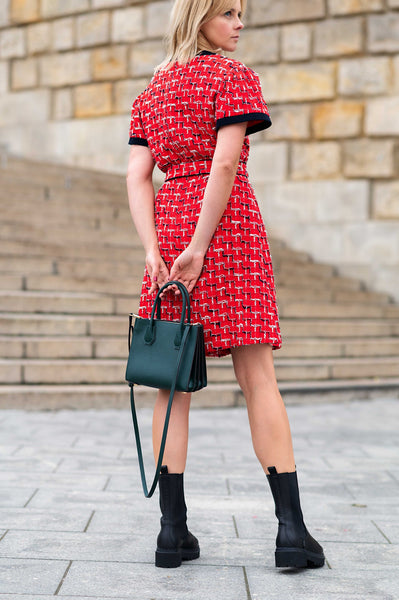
x=297, y=558
x=171, y=559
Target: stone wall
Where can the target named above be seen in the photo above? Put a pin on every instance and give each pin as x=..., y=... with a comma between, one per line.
x=326, y=173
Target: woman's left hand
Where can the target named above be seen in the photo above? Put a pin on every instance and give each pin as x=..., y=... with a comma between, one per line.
x=187, y=268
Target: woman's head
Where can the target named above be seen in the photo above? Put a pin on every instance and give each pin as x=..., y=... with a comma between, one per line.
x=198, y=25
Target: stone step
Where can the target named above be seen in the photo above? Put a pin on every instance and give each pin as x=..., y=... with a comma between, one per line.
x=27, y=232
x=37, y=172
x=293, y=329
x=123, y=286
x=107, y=371
x=41, y=347
x=295, y=294
x=94, y=251
x=50, y=397
x=338, y=328
x=294, y=279
x=56, y=302
x=328, y=310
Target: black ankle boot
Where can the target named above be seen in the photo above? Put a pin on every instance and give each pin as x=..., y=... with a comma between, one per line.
x=175, y=543
x=295, y=547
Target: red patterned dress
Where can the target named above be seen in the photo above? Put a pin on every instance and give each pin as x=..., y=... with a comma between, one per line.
x=177, y=117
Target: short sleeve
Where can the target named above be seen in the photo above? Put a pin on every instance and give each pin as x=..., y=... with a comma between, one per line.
x=136, y=134
x=240, y=99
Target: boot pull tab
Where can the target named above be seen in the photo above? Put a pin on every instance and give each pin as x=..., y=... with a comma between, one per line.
x=272, y=470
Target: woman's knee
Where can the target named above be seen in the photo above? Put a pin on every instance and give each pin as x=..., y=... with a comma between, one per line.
x=253, y=366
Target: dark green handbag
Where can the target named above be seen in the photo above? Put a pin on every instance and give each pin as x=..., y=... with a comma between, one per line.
x=165, y=355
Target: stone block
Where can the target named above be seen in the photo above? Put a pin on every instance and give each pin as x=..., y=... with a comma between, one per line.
x=12, y=43
x=63, y=34
x=24, y=74
x=145, y=56
x=4, y=12
x=385, y=200
x=3, y=77
x=296, y=42
x=36, y=577
x=338, y=119
x=258, y=46
x=93, y=100
x=125, y=92
x=299, y=82
x=157, y=18
x=268, y=162
x=10, y=372
x=383, y=33
x=338, y=36
x=315, y=160
x=57, y=8
x=38, y=37
x=291, y=122
x=110, y=63
x=128, y=24
x=24, y=107
x=93, y=29
x=363, y=76
x=316, y=203
x=368, y=158
x=343, y=7
x=373, y=241
x=382, y=116
x=24, y=11
x=106, y=3
x=270, y=11
x=393, y=3
x=69, y=68
x=62, y=104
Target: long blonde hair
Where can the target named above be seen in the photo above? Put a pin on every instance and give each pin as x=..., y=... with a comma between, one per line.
x=184, y=39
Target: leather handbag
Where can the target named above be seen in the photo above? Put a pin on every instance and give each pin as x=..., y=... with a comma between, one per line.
x=165, y=355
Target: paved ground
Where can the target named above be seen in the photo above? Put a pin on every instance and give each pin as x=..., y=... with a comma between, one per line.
x=74, y=523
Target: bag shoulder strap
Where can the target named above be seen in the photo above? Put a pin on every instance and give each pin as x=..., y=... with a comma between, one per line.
x=147, y=493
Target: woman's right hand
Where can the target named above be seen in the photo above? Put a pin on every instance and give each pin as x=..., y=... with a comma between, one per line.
x=157, y=270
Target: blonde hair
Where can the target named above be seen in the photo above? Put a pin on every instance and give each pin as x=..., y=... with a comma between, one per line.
x=184, y=39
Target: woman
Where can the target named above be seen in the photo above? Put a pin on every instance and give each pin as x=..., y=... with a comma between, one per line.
x=205, y=230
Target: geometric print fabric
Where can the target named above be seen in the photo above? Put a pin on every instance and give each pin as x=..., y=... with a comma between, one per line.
x=235, y=296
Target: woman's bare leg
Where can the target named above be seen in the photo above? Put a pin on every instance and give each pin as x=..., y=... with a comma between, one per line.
x=270, y=429
x=175, y=455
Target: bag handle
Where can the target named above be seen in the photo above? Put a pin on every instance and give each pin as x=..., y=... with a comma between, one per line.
x=149, y=336
x=147, y=493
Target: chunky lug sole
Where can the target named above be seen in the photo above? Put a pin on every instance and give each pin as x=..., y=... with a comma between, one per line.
x=295, y=557
x=171, y=559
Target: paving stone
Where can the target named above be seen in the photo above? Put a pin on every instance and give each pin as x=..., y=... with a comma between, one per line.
x=15, y=497
x=44, y=520
x=306, y=585
x=116, y=579
x=30, y=576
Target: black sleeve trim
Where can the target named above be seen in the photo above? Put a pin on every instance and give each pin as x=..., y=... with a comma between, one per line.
x=136, y=141
x=264, y=122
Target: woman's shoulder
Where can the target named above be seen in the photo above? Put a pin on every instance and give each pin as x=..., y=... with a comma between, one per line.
x=230, y=67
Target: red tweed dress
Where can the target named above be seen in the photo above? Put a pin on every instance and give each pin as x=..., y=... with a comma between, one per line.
x=178, y=116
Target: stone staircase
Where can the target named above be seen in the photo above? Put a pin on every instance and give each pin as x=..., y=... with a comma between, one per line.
x=70, y=272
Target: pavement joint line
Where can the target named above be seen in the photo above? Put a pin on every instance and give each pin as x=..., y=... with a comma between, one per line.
x=75, y=441
x=353, y=496
x=228, y=487
x=4, y=534
x=31, y=498
x=249, y=597
x=63, y=579
x=89, y=521
x=381, y=532
x=107, y=483
x=58, y=465
x=17, y=450
x=235, y=525
x=392, y=476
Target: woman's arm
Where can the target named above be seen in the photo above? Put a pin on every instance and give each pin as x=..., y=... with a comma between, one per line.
x=141, y=202
x=188, y=265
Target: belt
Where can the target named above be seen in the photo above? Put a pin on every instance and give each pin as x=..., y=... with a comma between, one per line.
x=197, y=168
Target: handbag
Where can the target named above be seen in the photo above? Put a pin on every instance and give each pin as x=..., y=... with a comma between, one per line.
x=165, y=355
